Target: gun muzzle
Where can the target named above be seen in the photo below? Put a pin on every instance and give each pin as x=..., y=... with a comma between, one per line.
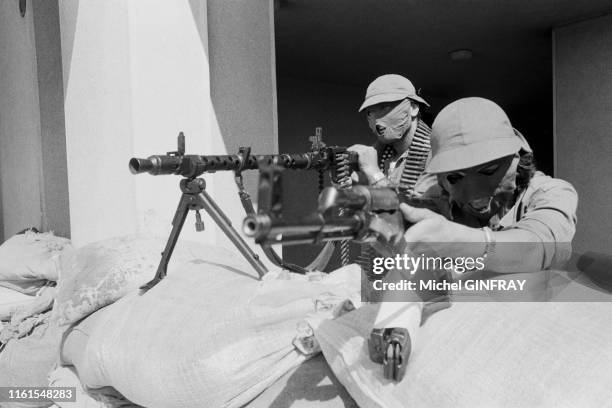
x=156, y=165
x=256, y=226
x=138, y=166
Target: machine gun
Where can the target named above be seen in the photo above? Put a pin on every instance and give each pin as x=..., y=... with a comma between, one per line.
x=337, y=160
x=362, y=214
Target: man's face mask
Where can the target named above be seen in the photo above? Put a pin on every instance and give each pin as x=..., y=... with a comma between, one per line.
x=389, y=123
x=482, y=190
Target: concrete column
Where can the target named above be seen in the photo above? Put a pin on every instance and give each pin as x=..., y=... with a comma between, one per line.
x=243, y=75
x=583, y=96
x=20, y=144
x=55, y=199
x=242, y=89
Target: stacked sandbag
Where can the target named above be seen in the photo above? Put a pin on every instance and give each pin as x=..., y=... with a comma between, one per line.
x=29, y=345
x=26, y=362
x=10, y=301
x=89, y=277
x=29, y=261
x=100, y=273
x=102, y=398
x=208, y=335
x=29, y=269
x=22, y=319
x=483, y=355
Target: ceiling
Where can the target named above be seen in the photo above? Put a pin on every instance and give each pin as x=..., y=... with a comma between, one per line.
x=354, y=41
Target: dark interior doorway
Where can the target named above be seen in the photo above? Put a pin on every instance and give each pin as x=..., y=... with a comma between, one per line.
x=328, y=52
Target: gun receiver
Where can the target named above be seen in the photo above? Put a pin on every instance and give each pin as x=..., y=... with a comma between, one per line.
x=369, y=213
x=361, y=213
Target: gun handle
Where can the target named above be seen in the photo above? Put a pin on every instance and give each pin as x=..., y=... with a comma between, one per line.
x=391, y=347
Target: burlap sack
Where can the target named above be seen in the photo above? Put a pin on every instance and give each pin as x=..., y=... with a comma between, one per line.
x=206, y=336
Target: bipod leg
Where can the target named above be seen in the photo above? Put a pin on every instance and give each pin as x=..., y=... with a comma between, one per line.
x=177, y=225
x=219, y=217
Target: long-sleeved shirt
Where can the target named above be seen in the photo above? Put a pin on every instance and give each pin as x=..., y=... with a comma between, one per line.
x=546, y=208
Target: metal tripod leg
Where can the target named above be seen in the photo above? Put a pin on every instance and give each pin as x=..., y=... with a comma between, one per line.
x=207, y=203
x=177, y=225
x=196, y=198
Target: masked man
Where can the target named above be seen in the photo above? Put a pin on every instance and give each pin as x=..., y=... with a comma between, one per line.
x=402, y=148
x=495, y=204
x=400, y=153
x=495, y=207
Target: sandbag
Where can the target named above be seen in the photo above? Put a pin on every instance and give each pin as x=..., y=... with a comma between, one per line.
x=100, y=273
x=483, y=355
x=26, y=362
x=29, y=261
x=103, y=398
x=22, y=329
x=25, y=316
x=11, y=300
x=208, y=335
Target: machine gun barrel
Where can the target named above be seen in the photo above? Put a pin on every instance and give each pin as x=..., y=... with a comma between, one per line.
x=195, y=165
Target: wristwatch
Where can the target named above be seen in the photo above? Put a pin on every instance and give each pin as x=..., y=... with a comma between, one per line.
x=489, y=242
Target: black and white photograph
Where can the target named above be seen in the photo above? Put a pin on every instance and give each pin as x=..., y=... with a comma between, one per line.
x=305, y=203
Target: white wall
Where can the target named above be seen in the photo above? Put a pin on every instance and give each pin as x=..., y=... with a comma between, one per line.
x=86, y=85
x=99, y=123
x=170, y=92
x=20, y=143
x=135, y=74
x=583, y=114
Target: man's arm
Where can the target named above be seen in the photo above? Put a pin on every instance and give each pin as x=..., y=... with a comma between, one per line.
x=368, y=164
x=541, y=239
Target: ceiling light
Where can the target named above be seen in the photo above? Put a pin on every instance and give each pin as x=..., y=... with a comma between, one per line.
x=460, y=55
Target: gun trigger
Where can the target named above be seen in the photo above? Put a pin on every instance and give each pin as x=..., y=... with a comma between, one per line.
x=199, y=224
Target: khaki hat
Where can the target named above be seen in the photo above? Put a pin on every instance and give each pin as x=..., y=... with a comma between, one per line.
x=469, y=132
x=390, y=88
